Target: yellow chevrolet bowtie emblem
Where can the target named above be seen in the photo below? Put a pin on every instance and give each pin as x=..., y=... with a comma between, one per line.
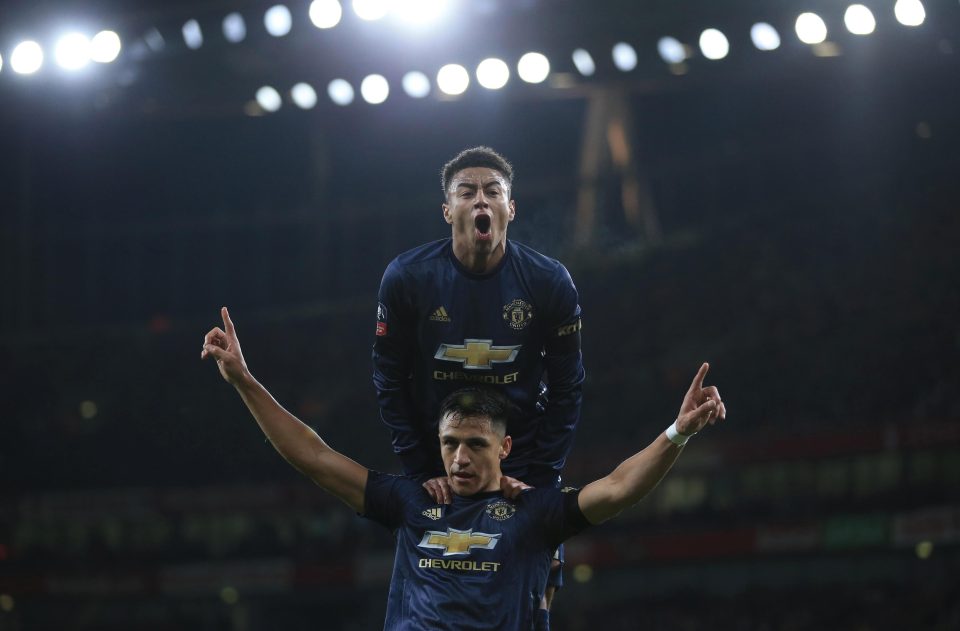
x=477, y=353
x=458, y=541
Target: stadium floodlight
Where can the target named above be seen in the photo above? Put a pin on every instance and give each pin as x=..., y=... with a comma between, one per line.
x=416, y=84
x=192, y=35
x=278, y=20
x=714, y=44
x=269, y=99
x=27, y=57
x=304, y=96
x=671, y=50
x=104, y=47
x=325, y=13
x=909, y=12
x=234, y=28
x=493, y=73
x=370, y=10
x=584, y=62
x=72, y=51
x=764, y=36
x=374, y=89
x=419, y=12
x=811, y=28
x=340, y=92
x=533, y=68
x=624, y=57
x=1, y=62
x=859, y=20
x=453, y=79
x=154, y=40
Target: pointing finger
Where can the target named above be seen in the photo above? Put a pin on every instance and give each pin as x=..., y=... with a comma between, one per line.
x=698, y=380
x=227, y=322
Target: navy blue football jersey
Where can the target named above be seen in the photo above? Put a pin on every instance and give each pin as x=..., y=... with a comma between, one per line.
x=441, y=327
x=479, y=563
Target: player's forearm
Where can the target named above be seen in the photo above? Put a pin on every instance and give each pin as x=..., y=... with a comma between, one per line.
x=555, y=436
x=303, y=448
x=564, y=398
x=630, y=482
x=293, y=439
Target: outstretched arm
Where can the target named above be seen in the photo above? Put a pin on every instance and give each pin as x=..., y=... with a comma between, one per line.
x=295, y=441
x=639, y=474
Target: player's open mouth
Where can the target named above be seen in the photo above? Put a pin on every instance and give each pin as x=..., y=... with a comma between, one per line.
x=482, y=224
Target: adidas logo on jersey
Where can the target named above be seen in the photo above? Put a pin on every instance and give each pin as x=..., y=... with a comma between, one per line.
x=440, y=315
x=432, y=513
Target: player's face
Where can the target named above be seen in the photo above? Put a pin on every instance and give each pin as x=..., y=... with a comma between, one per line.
x=472, y=452
x=479, y=208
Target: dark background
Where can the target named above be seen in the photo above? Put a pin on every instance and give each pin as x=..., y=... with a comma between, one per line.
x=809, y=220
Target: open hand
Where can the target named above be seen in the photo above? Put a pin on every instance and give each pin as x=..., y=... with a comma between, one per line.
x=700, y=405
x=512, y=487
x=224, y=346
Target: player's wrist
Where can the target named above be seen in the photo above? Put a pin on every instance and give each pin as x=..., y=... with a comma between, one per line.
x=244, y=381
x=676, y=437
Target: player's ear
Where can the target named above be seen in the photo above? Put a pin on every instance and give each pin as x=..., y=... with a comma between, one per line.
x=505, y=446
x=513, y=209
x=447, y=216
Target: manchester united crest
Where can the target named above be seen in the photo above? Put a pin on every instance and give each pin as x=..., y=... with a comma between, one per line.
x=501, y=510
x=518, y=314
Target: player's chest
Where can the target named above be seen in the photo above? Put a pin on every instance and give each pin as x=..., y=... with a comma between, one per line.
x=501, y=312
x=484, y=533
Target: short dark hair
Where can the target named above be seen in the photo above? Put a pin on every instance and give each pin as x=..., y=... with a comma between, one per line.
x=475, y=157
x=474, y=401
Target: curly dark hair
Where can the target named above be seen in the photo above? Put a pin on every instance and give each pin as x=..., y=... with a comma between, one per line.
x=475, y=157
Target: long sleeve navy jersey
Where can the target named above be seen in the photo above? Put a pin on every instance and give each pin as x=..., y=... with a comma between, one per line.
x=479, y=563
x=441, y=327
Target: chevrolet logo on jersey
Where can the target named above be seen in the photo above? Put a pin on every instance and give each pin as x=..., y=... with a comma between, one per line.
x=458, y=541
x=477, y=353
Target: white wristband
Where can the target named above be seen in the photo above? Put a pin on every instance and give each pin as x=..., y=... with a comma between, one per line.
x=676, y=437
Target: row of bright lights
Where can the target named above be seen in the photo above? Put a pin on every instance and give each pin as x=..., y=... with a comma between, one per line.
x=72, y=52
x=452, y=79
x=75, y=50
x=810, y=28
x=493, y=74
x=325, y=14
x=859, y=20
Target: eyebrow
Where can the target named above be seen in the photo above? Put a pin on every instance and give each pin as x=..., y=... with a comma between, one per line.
x=462, y=439
x=473, y=185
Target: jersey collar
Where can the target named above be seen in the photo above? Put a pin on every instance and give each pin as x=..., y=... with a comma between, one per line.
x=507, y=249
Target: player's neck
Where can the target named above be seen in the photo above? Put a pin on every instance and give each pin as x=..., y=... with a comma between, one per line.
x=478, y=262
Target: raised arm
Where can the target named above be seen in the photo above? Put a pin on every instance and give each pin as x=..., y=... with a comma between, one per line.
x=639, y=474
x=295, y=441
